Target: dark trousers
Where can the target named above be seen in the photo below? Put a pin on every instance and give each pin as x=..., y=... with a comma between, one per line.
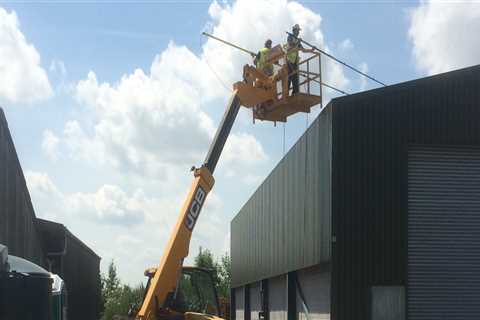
x=293, y=78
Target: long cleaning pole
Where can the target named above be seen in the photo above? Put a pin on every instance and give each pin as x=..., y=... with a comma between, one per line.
x=253, y=54
x=337, y=60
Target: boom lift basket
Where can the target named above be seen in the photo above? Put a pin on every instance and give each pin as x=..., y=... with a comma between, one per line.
x=269, y=96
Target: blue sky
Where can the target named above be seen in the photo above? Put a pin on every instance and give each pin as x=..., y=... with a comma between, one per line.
x=123, y=99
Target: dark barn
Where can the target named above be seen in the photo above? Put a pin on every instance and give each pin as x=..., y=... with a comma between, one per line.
x=373, y=214
x=46, y=243
x=17, y=218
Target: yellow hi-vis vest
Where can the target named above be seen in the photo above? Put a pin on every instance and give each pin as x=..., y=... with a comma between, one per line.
x=292, y=56
x=262, y=63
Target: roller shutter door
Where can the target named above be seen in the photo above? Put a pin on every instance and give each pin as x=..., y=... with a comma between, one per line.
x=277, y=298
x=444, y=233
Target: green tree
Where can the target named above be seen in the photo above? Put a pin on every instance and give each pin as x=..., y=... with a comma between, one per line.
x=204, y=259
x=110, y=282
x=225, y=276
x=221, y=271
x=118, y=298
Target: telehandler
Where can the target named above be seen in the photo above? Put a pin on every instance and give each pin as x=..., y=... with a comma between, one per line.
x=177, y=292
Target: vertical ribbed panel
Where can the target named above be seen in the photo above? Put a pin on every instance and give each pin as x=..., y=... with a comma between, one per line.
x=444, y=233
x=285, y=225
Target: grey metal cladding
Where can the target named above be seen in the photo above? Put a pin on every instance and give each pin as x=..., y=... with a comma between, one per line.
x=285, y=225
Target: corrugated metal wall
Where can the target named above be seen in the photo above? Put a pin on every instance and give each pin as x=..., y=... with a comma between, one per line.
x=371, y=134
x=285, y=225
x=81, y=272
x=17, y=228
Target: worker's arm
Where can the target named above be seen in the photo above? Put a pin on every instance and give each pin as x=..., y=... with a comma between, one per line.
x=256, y=58
x=166, y=275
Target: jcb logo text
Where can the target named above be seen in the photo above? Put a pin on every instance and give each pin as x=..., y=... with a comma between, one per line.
x=195, y=208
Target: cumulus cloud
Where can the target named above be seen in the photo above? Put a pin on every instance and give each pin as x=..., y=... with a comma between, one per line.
x=145, y=123
x=243, y=149
x=23, y=79
x=149, y=122
x=42, y=184
x=249, y=28
x=108, y=205
x=50, y=145
x=444, y=35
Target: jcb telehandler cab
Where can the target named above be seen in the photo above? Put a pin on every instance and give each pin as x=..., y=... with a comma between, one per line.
x=195, y=296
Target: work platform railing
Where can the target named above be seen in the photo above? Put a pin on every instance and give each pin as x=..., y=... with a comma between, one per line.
x=309, y=78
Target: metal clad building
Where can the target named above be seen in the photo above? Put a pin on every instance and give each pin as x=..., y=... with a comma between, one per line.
x=270, y=240
x=17, y=225
x=43, y=242
x=77, y=265
x=400, y=197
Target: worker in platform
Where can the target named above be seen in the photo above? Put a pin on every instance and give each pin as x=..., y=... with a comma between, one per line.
x=292, y=47
x=261, y=59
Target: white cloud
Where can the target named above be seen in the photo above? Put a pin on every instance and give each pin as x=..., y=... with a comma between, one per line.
x=80, y=146
x=242, y=149
x=145, y=123
x=138, y=117
x=50, y=145
x=445, y=35
x=42, y=184
x=22, y=80
x=44, y=193
x=249, y=28
x=108, y=205
x=58, y=66
x=346, y=45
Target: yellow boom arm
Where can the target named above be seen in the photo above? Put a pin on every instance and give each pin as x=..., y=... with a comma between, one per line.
x=166, y=275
